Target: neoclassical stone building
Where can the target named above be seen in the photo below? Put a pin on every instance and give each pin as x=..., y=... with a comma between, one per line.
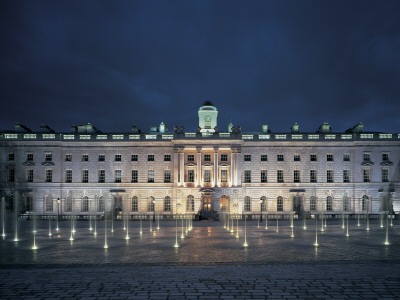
x=87, y=172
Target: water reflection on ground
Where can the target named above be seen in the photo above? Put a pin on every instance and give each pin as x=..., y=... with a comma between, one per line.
x=208, y=243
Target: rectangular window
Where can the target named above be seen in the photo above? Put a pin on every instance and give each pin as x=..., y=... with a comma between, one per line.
x=329, y=157
x=280, y=157
x=366, y=175
x=29, y=157
x=346, y=175
x=134, y=157
x=49, y=175
x=224, y=175
x=247, y=176
x=68, y=176
x=150, y=176
x=190, y=157
x=207, y=157
x=102, y=176
x=167, y=176
x=385, y=156
x=190, y=175
x=150, y=157
x=280, y=175
x=85, y=176
x=224, y=157
x=296, y=175
x=313, y=175
x=134, y=177
x=313, y=157
x=346, y=157
x=11, y=175
x=247, y=157
x=85, y=157
x=264, y=176
x=11, y=156
x=385, y=175
x=118, y=176
x=367, y=156
x=264, y=157
x=207, y=175
x=329, y=175
x=313, y=203
x=48, y=157
x=29, y=175
x=296, y=157
x=167, y=157
x=102, y=157
x=118, y=157
x=68, y=157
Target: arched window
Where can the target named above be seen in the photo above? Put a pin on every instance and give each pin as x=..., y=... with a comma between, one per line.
x=100, y=204
x=279, y=204
x=134, y=206
x=263, y=202
x=346, y=203
x=365, y=202
x=190, y=203
x=167, y=203
x=224, y=203
x=313, y=203
x=85, y=204
x=247, y=203
x=68, y=204
x=329, y=206
x=49, y=203
x=150, y=204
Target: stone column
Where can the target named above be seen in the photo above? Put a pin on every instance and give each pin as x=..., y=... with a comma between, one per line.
x=176, y=166
x=239, y=167
x=199, y=171
x=233, y=167
x=215, y=166
x=181, y=167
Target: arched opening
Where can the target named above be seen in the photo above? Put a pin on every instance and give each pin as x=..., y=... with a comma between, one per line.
x=49, y=203
x=190, y=203
x=167, y=203
x=134, y=204
x=224, y=203
x=279, y=203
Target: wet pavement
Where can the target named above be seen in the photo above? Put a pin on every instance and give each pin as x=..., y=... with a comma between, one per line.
x=210, y=261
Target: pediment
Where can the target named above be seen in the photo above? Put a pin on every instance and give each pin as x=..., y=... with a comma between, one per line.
x=29, y=163
x=367, y=163
x=47, y=163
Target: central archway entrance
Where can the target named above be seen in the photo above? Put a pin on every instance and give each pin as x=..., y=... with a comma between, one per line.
x=207, y=203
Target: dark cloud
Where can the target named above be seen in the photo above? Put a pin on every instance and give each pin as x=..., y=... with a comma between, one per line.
x=122, y=63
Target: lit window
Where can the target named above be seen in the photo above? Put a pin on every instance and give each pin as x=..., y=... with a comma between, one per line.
x=190, y=203
x=207, y=175
x=118, y=176
x=150, y=176
x=247, y=176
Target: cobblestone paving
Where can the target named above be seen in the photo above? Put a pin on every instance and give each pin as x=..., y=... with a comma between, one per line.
x=273, y=281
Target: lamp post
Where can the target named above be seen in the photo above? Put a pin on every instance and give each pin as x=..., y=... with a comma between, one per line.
x=261, y=206
x=154, y=210
x=58, y=213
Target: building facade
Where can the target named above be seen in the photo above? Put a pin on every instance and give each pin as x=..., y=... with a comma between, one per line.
x=208, y=172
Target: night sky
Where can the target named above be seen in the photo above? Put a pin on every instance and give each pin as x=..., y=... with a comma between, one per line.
x=121, y=63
